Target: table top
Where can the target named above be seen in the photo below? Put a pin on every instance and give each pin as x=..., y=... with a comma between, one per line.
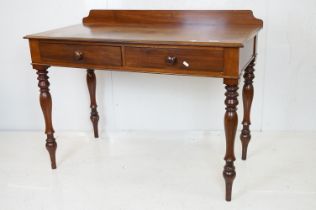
x=225, y=28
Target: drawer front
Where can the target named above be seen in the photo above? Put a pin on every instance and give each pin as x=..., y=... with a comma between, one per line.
x=210, y=59
x=95, y=55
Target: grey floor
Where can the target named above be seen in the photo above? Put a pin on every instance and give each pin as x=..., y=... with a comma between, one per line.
x=156, y=170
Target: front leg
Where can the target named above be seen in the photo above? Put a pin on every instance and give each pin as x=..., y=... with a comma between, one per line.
x=94, y=116
x=230, y=122
x=46, y=105
x=247, y=94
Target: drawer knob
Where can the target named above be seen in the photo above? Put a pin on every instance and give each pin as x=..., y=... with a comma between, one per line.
x=78, y=55
x=186, y=64
x=171, y=60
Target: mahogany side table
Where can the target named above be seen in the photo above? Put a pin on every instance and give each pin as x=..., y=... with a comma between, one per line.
x=182, y=42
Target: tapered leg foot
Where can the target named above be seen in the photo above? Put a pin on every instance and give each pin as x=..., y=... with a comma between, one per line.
x=95, y=120
x=230, y=122
x=247, y=94
x=51, y=147
x=46, y=105
x=229, y=176
x=94, y=115
x=245, y=139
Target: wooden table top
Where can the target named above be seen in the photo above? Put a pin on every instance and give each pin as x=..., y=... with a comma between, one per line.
x=178, y=27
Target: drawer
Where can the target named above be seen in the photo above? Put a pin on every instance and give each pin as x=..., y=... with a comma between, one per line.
x=73, y=54
x=196, y=59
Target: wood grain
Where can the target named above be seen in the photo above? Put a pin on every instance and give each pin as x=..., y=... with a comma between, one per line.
x=194, y=28
x=46, y=105
x=210, y=43
x=94, y=115
x=247, y=94
x=172, y=17
x=91, y=55
x=230, y=123
x=189, y=59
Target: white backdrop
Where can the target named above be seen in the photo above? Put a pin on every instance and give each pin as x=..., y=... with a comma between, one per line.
x=284, y=84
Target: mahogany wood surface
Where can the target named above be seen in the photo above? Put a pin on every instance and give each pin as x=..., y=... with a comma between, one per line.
x=209, y=43
x=247, y=94
x=94, y=115
x=230, y=123
x=172, y=17
x=165, y=58
x=46, y=105
x=200, y=28
x=80, y=54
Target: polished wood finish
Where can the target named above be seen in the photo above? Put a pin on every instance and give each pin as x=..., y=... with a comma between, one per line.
x=96, y=55
x=94, y=115
x=183, y=59
x=173, y=27
x=247, y=95
x=47, y=53
x=181, y=42
x=230, y=123
x=46, y=105
x=172, y=17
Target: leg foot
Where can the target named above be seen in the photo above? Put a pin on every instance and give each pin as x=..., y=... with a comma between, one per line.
x=94, y=115
x=229, y=176
x=51, y=147
x=247, y=94
x=230, y=122
x=46, y=105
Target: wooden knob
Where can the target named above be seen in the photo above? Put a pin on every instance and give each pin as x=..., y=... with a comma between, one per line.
x=171, y=60
x=78, y=55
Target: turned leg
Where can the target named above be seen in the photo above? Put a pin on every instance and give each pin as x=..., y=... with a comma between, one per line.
x=46, y=105
x=230, y=122
x=247, y=95
x=94, y=116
